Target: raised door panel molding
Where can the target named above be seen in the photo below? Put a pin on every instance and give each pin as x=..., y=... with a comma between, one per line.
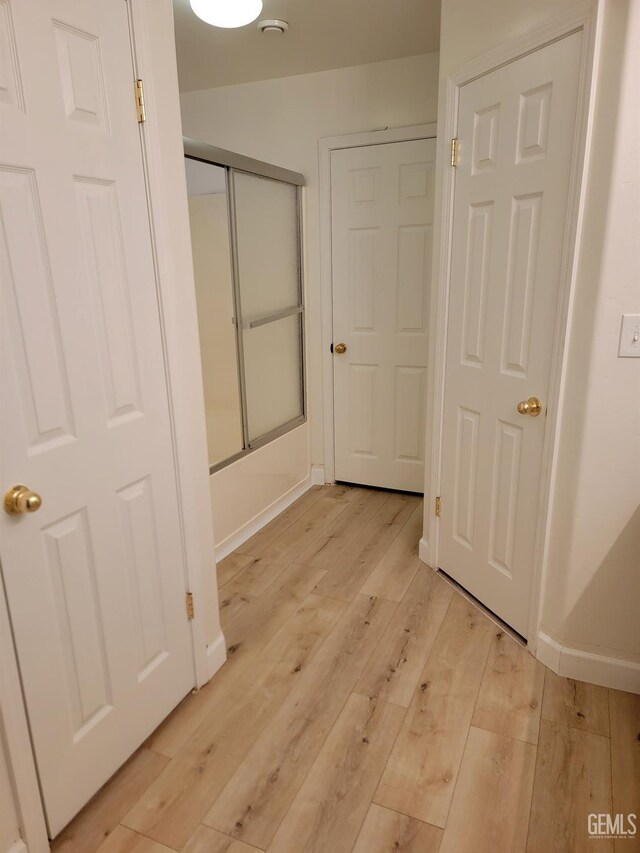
x=416, y=181
x=486, y=130
x=364, y=185
x=504, y=502
x=363, y=251
x=106, y=273
x=521, y=283
x=81, y=76
x=533, y=126
x=75, y=594
x=466, y=468
x=32, y=316
x=363, y=380
x=11, y=92
x=410, y=384
x=142, y=556
x=414, y=269
x=476, y=288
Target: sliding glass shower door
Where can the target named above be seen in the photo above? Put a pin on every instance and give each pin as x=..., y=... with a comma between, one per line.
x=245, y=229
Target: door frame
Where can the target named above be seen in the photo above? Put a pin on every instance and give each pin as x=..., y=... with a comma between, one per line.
x=153, y=56
x=153, y=52
x=326, y=145
x=583, y=17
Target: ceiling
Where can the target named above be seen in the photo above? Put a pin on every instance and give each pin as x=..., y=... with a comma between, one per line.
x=323, y=34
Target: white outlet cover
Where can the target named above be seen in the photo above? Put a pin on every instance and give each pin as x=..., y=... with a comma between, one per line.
x=629, y=336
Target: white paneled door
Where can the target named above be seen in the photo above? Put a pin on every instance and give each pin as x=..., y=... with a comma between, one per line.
x=516, y=131
x=95, y=578
x=382, y=217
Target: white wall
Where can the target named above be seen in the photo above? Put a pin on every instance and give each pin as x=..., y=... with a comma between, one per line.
x=249, y=492
x=593, y=593
x=469, y=28
x=281, y=121
x=592, y=589
x=9, y=824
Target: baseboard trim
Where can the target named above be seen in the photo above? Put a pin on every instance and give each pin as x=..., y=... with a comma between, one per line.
x=258, y=521
x=607, y=671
x=216, y=655
x=423, y=551
x=317, y=475
x=548, y=652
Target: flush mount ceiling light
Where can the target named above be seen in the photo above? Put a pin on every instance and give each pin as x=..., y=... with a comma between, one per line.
x=273, y=26
x=227, y=13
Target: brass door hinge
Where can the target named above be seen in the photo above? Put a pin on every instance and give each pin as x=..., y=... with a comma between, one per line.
x=142, y=115
x=438, y=506
x=190, y=608
x=455, y=149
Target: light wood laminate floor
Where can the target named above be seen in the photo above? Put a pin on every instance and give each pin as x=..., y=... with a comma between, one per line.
x=366, y=705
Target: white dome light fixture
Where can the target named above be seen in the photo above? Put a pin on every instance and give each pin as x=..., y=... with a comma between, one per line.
x=227, y=13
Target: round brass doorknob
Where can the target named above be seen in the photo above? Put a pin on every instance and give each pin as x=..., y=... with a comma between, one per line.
x=532, y=406
x=340, y=349
x=20, y=499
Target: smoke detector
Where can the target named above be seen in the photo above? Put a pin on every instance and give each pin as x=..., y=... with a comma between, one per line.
x=273, y=26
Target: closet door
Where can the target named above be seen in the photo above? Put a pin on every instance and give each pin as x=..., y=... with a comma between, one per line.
x=516, y=131
x=94, y=576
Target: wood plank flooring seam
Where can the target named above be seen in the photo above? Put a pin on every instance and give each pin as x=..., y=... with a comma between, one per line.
x=399, y=729
x=535, y=771
x=364, y=818
x=149, y=838
x=317, y=758
x=329, y=809
x=286, y=564
x=262, y=790
x=404, y=814
x=318, y=496
x=404, y=709
x=611, y=750
x=466, y=741
x=269, y=550
x=374, y=536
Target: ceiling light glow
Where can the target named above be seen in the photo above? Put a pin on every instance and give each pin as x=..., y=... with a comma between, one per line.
x=227, y=13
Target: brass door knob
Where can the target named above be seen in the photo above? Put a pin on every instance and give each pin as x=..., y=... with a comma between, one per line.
x=532, y=406
x=20, y=499
x=340, y=349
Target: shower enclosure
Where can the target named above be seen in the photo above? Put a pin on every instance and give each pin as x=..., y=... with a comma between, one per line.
x=246, y=240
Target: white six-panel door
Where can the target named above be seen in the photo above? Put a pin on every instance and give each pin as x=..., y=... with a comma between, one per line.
x=95, y=579
x=516, y=131
x=382, y=217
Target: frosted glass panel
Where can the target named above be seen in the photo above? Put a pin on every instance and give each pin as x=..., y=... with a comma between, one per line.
x=209, y=221
x=272, y=375
x=246, y=254
x=267, y=229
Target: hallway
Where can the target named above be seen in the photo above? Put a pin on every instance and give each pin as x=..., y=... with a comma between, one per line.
x=366, y=705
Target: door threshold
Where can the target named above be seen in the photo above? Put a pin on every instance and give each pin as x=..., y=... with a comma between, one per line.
x=379, y=488
x=499, y=622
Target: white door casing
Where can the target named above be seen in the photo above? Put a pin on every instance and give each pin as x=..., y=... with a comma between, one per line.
x=95, y=579
x=516, y=127
x=382, y=217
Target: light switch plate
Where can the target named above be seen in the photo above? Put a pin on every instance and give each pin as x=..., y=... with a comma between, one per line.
x=630, y=336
